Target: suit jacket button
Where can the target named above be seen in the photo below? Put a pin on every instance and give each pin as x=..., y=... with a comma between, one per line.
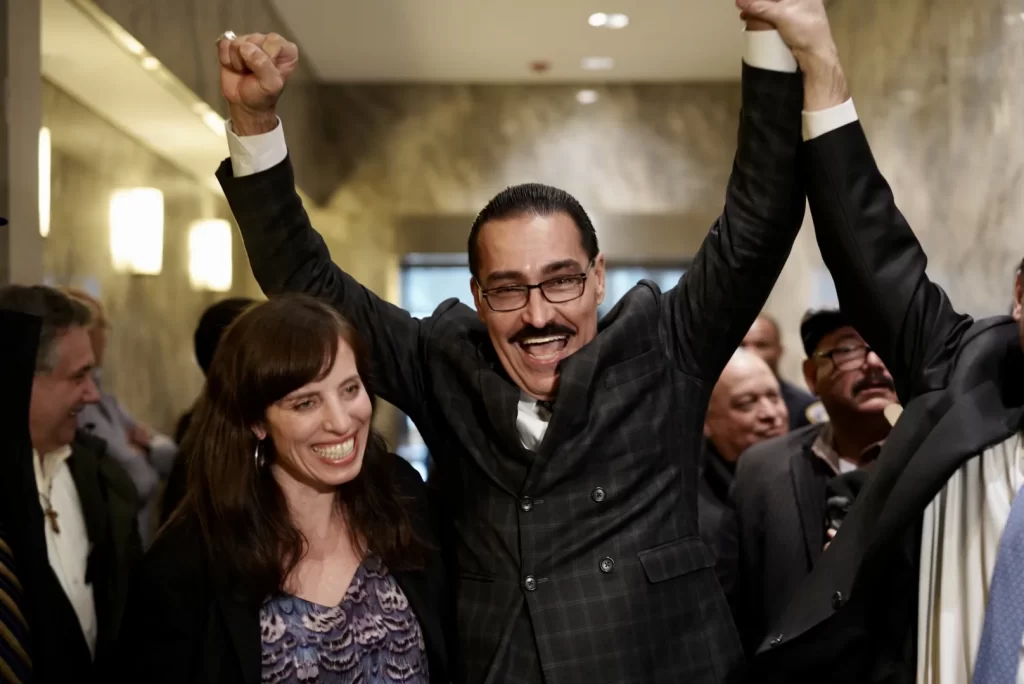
x=597, y=495
x=530, y=583
x=837, y=600
x=776, y=640
x=526, y=504
x=607, y=565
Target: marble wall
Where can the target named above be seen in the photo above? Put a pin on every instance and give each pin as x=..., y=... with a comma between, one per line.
x=937, y=87
x=182, y=34
x=150, y=364
x=934, y=81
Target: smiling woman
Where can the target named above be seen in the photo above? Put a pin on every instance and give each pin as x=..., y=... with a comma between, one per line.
x=295, y=515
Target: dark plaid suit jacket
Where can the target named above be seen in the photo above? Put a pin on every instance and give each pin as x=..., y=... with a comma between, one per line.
x=581, y=561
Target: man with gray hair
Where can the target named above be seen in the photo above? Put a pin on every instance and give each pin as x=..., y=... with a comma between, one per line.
x=83, y=521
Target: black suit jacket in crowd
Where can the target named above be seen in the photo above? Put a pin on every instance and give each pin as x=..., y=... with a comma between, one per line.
x=780, y=505
x=962, y=385
x=109, y=504
x=583, y=560
x=183, y=626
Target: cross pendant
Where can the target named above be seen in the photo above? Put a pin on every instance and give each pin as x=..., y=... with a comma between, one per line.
x=52, y=515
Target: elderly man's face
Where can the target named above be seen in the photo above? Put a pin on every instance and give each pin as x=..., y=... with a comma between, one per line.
x=61, y=392
x=746, y=406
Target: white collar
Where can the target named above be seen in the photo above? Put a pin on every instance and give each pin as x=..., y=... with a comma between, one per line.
x=46, y=466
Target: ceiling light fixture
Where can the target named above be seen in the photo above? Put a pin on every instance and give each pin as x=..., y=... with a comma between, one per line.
x=617, y=21
x=597, y=63
x=586, y=97
x=598, y=19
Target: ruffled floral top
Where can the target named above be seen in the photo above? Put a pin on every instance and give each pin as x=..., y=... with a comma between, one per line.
x=371, y=637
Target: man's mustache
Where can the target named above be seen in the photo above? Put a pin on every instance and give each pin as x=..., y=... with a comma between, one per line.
x=547, y=331
x=874, y=381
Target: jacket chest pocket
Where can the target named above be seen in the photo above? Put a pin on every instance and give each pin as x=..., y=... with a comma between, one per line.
x=675, y=559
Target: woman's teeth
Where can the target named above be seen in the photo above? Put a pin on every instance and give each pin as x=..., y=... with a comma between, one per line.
x=336, y=452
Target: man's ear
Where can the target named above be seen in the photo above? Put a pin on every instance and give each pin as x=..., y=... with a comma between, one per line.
x=811, y=375
x=478, y=299
x=599, y=276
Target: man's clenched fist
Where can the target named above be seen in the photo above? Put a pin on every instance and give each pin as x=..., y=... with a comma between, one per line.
x=253, y=72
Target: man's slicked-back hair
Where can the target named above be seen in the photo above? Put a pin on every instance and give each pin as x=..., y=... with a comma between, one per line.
x=532, y=199
x=57, y=311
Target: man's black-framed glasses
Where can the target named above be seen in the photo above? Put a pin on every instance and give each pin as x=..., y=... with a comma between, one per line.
x=558, y=290
x=846, y=357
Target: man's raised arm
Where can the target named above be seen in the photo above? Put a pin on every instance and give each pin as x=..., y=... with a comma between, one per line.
x=876, y=261
x=732, y=274
x=285, y=253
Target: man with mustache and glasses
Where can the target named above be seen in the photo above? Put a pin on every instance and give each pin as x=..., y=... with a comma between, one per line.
x=567, y=448
x=924, y=581
x=781, y=491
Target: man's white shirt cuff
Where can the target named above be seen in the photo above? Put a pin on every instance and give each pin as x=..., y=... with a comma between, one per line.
x=816, y=124
x=767, y=50
x=251, y=154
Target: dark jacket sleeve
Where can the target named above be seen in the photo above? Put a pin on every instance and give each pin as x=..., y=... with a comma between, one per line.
x=732, y=274
x=287, y=255
x=165, y=614
x=878, y=265
x=19, y=337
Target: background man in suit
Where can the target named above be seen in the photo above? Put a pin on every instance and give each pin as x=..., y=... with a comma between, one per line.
x=745, y=408
x=765, y=340
x=782, y=486
x=82, y=516
x=924, y=580
x=568, y=451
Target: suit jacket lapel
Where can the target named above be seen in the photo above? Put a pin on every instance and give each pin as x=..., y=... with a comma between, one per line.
x=810, y=501
x=242, y=618
x=976, y=421
x=501, y=401
x=570, y=409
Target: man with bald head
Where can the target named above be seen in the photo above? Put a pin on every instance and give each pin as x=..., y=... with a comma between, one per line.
x=765, y=340
x=745, y=408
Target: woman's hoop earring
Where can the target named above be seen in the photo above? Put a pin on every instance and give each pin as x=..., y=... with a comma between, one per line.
x=258, y=458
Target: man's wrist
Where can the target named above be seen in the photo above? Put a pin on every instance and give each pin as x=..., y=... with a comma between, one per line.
x=825, y=83
x=246, y=122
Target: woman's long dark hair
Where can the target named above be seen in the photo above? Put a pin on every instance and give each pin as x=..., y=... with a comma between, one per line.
x=271, y=350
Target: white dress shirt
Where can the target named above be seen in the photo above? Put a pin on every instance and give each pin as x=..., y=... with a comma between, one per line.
x=67, y=550
x=959, y=543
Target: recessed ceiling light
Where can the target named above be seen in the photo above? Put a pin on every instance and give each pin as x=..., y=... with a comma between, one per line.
x=597, y=63
x=586, y=97
x=598, y=19
x=617, y=21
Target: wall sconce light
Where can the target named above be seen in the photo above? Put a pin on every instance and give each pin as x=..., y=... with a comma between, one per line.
x=137, y=230
x=44, y=181
x=209, y=255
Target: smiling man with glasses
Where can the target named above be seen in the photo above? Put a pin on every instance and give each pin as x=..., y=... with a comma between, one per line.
x=567, y=450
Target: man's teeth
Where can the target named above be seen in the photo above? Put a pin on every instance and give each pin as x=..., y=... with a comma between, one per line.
x=543, y=340
x=336, y=452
